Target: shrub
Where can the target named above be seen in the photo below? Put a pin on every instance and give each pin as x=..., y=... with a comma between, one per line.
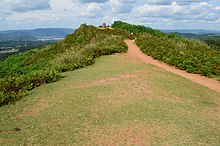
x=138, y=29
x=24, y=72
x=14, y=87
x=189, y=55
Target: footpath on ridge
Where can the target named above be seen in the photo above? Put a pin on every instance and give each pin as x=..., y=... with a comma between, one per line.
x=118, y=100
x=135, y=53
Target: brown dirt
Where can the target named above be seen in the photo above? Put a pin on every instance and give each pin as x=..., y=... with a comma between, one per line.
x=135, y=53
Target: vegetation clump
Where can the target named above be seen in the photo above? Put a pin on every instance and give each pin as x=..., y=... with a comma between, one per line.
x=190, y=55
x=139, y=29
x=23, y=72
x=215, y=44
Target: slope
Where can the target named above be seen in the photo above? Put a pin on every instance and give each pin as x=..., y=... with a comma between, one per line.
x=192, y=56
x=131, y=103
x=26, y=71
x=135, y=53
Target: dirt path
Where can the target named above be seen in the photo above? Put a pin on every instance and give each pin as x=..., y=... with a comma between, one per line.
x=135, y=53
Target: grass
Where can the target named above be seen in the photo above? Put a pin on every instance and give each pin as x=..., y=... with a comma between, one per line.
x=131, y=103
x=24, y=72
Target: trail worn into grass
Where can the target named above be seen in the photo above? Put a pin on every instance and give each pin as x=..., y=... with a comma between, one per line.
x=135, y=53
x=116, y=101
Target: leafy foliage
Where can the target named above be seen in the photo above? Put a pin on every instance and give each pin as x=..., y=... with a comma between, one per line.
x=213, y=40
x=214, y=43
x=138, y=29
x=189, y=55
x=23, y=72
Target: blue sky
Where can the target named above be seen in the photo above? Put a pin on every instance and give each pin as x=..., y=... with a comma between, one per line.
x=159, y=14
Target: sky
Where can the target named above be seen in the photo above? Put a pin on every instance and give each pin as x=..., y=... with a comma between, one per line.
x=158, y=14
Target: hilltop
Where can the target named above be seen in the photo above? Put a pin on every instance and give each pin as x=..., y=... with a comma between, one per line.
x=23, y=72
x=71, y=93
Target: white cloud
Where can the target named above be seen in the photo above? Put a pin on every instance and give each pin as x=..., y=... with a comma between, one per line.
x=155, y=13
x=127, y=1
x=93, y=10
x=217, y=8
x=198, y=11
x=27, y=5
x=92, y=1
x=179, y=2
x=160, y=2
x=120, y=6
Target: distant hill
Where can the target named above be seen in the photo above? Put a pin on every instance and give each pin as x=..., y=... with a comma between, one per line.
x=200, y=36
x=193, y=31
x=35, y=34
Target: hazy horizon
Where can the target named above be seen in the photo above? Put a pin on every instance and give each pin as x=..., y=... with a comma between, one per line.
x=97, y=26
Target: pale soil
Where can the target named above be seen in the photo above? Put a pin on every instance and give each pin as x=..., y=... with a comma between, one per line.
x=135, y=53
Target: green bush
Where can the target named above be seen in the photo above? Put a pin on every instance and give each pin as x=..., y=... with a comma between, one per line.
x=14, y=87
x=214, y=43
x=86, y=55
x=138, y=29
x=189, y=55
x=24, y=72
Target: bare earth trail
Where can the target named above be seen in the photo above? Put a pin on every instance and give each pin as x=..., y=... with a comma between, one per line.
x=135, y=53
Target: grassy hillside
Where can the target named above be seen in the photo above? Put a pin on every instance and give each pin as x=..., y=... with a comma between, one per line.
x=23, y=72
x=190, y=55
x=116, y=101
x=131, y=103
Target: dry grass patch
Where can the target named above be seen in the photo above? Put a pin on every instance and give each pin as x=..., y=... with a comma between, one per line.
x=137, y=134
x=40, y=106
x=107, y=80
x=136, y=89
